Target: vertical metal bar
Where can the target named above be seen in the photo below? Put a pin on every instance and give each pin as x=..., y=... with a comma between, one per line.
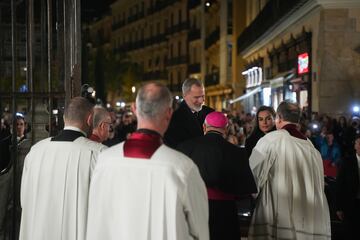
x=49, y=56
x=66, y=59
x=30, y=60
x=77, y=45
x=14, y=139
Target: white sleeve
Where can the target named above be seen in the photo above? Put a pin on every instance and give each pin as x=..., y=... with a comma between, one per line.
x=196, y=205
x=260, y=161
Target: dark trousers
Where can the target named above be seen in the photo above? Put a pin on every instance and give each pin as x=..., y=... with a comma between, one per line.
x=352, y=221
x=223, y=220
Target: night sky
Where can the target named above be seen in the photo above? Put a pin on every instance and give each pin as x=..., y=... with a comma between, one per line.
x=94, y=8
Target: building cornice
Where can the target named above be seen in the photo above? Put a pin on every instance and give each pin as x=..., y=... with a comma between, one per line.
x=328, y=4
x=288, y=20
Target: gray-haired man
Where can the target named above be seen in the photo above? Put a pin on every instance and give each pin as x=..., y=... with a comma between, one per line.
x=186, y=122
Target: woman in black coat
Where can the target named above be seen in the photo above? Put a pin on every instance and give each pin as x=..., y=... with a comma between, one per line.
x=265, y=122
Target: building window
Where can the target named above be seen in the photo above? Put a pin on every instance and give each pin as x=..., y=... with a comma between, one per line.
x=179, y=49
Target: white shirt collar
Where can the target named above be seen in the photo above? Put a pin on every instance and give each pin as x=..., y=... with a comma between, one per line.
x=75, y=129
x=358, y=159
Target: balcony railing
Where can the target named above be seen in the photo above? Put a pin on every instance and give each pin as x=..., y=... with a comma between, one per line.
x=211, y=79
x=194, y=34
x=155, y=39
x=135, y=17
x=271, y=14
x=194, y=68
x=155, y=75
x=177, y=28
x=118, y=25
x=212, y=38
x=177, y=61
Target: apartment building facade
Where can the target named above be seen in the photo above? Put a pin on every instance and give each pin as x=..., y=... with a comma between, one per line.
x=303, y=50
x=175, y=39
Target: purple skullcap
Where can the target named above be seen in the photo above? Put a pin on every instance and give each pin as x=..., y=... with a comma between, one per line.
x=216, y=119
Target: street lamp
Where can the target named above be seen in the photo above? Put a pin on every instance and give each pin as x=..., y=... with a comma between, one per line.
x=356, y=109
x=133, y=89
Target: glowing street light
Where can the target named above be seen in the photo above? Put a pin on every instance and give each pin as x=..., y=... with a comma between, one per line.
x=356, y=109
x=133, y=89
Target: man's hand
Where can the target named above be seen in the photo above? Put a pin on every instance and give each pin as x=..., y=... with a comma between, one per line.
x=340, y=215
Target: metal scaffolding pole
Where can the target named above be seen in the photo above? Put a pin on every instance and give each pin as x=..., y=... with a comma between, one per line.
x=13, y=139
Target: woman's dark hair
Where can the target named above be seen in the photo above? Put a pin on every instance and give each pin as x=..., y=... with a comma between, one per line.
x=262, y=109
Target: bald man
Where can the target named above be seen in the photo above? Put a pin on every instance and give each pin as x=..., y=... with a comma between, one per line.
x=225, y=170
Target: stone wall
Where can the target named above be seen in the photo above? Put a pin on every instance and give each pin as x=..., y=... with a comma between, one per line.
x=338, y=60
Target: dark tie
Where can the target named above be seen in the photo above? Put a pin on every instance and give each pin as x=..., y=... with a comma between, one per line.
x=196, y=115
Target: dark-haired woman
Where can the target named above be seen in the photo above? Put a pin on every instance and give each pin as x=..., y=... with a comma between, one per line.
x=265, y=122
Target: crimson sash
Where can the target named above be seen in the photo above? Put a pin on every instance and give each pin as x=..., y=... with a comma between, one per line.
x=142, y=144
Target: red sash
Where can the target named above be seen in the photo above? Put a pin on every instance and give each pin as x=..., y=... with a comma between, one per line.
x=215, y=194
x=142, y=144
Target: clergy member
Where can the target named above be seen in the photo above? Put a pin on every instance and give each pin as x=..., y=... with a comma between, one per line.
x=143, y=190
x=56, y=179
x=225, y=169
x=289, y=174
x=101, y=125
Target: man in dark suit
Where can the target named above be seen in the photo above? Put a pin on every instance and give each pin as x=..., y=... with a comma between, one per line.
x=348, y=192
x=225, y=170
x=186, y=122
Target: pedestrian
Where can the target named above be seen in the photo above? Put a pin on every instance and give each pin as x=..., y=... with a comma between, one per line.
x=101, y=125
x=331, y=155
x=348, y=192
x=56, y=179
x=288, y=171
x=225, y=170
x=142, y=189
x=186, y=122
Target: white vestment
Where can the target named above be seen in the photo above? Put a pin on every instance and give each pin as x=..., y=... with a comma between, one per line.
x=54, y=189
x=161, y=198
x=291, y=203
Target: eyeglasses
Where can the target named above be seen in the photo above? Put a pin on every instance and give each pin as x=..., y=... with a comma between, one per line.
x=108, y=123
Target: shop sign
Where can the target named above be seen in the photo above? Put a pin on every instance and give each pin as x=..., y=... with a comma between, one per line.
x=303, y=63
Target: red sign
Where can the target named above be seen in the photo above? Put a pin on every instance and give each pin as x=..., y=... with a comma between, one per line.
x=303, y=63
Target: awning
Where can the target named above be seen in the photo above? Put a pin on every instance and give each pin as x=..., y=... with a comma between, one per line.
x=248, y=94
x=278, y=80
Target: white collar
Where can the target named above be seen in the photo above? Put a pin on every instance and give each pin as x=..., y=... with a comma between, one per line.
x=75, y=129
x=358, y=159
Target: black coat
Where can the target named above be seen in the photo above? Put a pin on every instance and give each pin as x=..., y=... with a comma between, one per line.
x=347, y=185
x=184, y=125
x=222, y=165
x=252, y=140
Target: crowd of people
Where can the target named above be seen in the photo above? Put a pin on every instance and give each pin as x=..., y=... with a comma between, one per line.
x=154, y=172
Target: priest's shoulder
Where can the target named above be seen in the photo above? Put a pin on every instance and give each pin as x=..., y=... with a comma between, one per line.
x=112, y=151
x=41, y=143
x=207, y=109
x=92, y=145
x=273, y=137
x=180, y=160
